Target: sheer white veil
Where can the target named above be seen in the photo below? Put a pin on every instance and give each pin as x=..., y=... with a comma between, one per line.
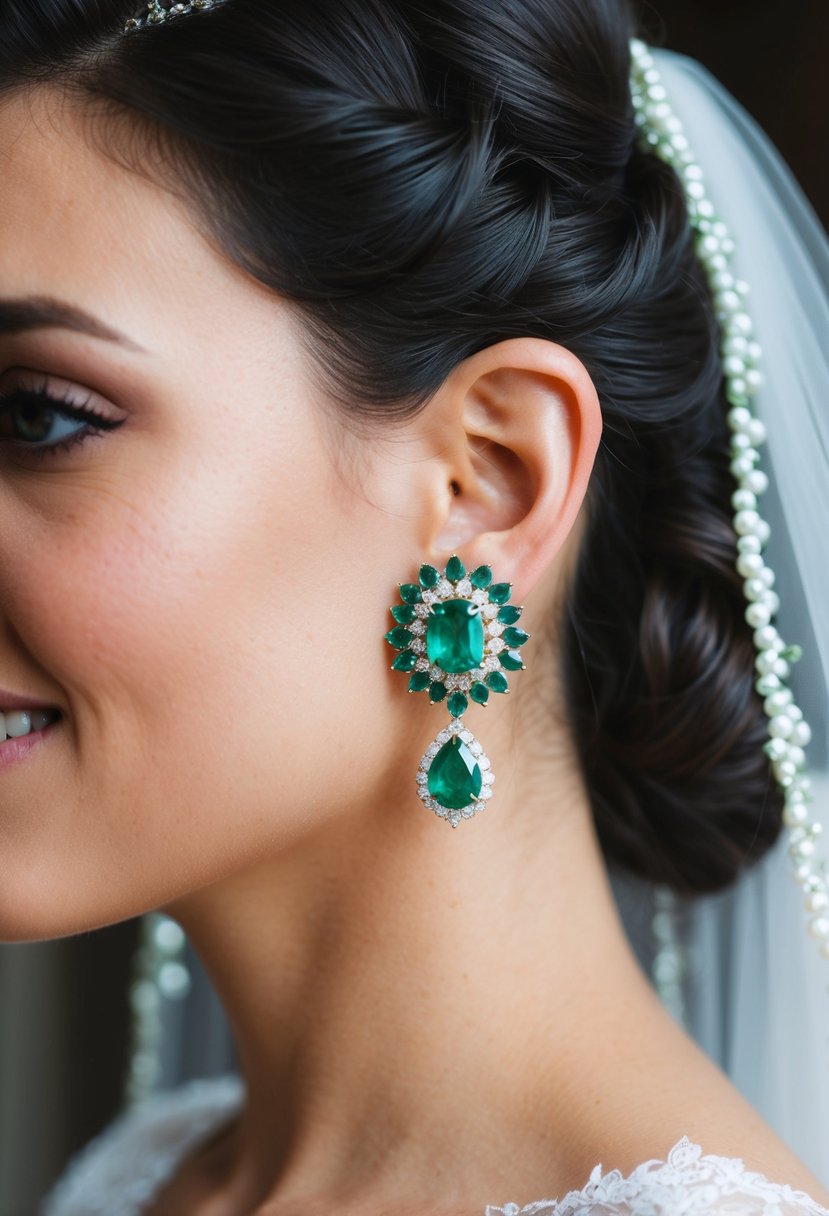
x=756, y=985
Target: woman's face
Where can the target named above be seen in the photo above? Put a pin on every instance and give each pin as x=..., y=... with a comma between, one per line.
x=199, y=591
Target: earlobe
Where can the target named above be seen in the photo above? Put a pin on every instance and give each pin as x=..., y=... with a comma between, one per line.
x=526, y=424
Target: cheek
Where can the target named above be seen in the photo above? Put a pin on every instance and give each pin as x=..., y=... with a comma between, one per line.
x=217, y=634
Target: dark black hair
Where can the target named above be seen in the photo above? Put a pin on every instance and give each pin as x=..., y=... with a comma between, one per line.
x=423, y=179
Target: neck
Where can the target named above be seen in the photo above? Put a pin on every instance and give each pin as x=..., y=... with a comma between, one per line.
x=398, y=989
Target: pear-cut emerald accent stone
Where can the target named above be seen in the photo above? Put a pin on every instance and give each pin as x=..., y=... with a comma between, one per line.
x=405, y=661
x=455, y=635
x=428, y=576
x=454, y=776
x=437, y=692
x=404, y=614
x=509, y=614
x=499, y=593
x=497, y=681
x=419, y=680
x=410, y=593
x=399, y=637
x=515, y=637
x=455, y=569
x=457, y=704
x=512, y=660
x=481, y=577
x=479, y=692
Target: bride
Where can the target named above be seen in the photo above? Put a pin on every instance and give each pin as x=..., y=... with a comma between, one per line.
x=335, y=339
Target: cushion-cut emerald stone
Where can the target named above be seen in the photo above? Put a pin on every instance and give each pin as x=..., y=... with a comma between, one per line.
x=419, y=680
x=514, y=637
x=428, y=575
x=497, y=681
x=455, y=569
x=454, y=776
x=455, y=635
x=499, y=593
x=457, y=704
x=479, y=692
x=481, y=577
x=512, y=660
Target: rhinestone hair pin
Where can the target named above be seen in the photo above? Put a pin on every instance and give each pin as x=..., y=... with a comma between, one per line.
x=157, y=13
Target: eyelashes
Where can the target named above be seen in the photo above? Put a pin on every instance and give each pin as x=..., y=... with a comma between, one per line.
x=25, y=411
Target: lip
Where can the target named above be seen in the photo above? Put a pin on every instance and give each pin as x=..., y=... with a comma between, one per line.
x=14, y=750
x=9, y=700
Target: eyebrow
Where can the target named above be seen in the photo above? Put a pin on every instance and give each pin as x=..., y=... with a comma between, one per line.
x=43, y=312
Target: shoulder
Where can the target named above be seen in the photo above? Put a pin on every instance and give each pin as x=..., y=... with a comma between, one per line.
x=132, y=1156
x=687, y=1181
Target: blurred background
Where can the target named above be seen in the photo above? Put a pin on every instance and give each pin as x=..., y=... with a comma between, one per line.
x=65, y=1005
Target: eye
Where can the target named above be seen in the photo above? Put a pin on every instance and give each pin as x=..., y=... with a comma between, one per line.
x=35, y=419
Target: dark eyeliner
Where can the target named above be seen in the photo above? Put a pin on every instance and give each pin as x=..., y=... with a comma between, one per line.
x=95, y=424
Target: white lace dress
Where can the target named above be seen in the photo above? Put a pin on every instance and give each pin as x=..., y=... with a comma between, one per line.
x=125, y=1165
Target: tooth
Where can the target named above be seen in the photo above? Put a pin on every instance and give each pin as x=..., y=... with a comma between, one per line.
x=18, y=723
x=41, y=718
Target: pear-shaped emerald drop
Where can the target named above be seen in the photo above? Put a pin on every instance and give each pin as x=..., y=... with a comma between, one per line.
x=454, y=776
x=455, y=635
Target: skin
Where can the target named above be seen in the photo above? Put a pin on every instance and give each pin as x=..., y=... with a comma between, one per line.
x=428, y=1020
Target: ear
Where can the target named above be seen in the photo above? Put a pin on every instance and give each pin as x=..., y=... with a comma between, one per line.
x=519, y=424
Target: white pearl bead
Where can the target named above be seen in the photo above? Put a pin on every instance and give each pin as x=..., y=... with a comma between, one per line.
x=757, y=481
x=748, y=544
x=749, y=565
x=819, y=927
x=757, y=430
x=757, y=613
x=738, y=417
x=776, y=702
x=743, y=500
x=741, y=466
x=795, y=814
x=796, y=754
x=746, y=521
x=780, y=726
x=801, y=734
x=784, y=770
x=817, y=901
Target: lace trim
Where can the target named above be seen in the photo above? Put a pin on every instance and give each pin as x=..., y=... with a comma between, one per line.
x=109, y=1170
x=686, y=1182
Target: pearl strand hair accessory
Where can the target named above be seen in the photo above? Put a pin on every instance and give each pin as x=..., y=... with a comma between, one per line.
x=661, y=131
x=157, y=14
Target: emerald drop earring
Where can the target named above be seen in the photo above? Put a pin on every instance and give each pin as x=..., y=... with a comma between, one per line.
x=458, y=639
